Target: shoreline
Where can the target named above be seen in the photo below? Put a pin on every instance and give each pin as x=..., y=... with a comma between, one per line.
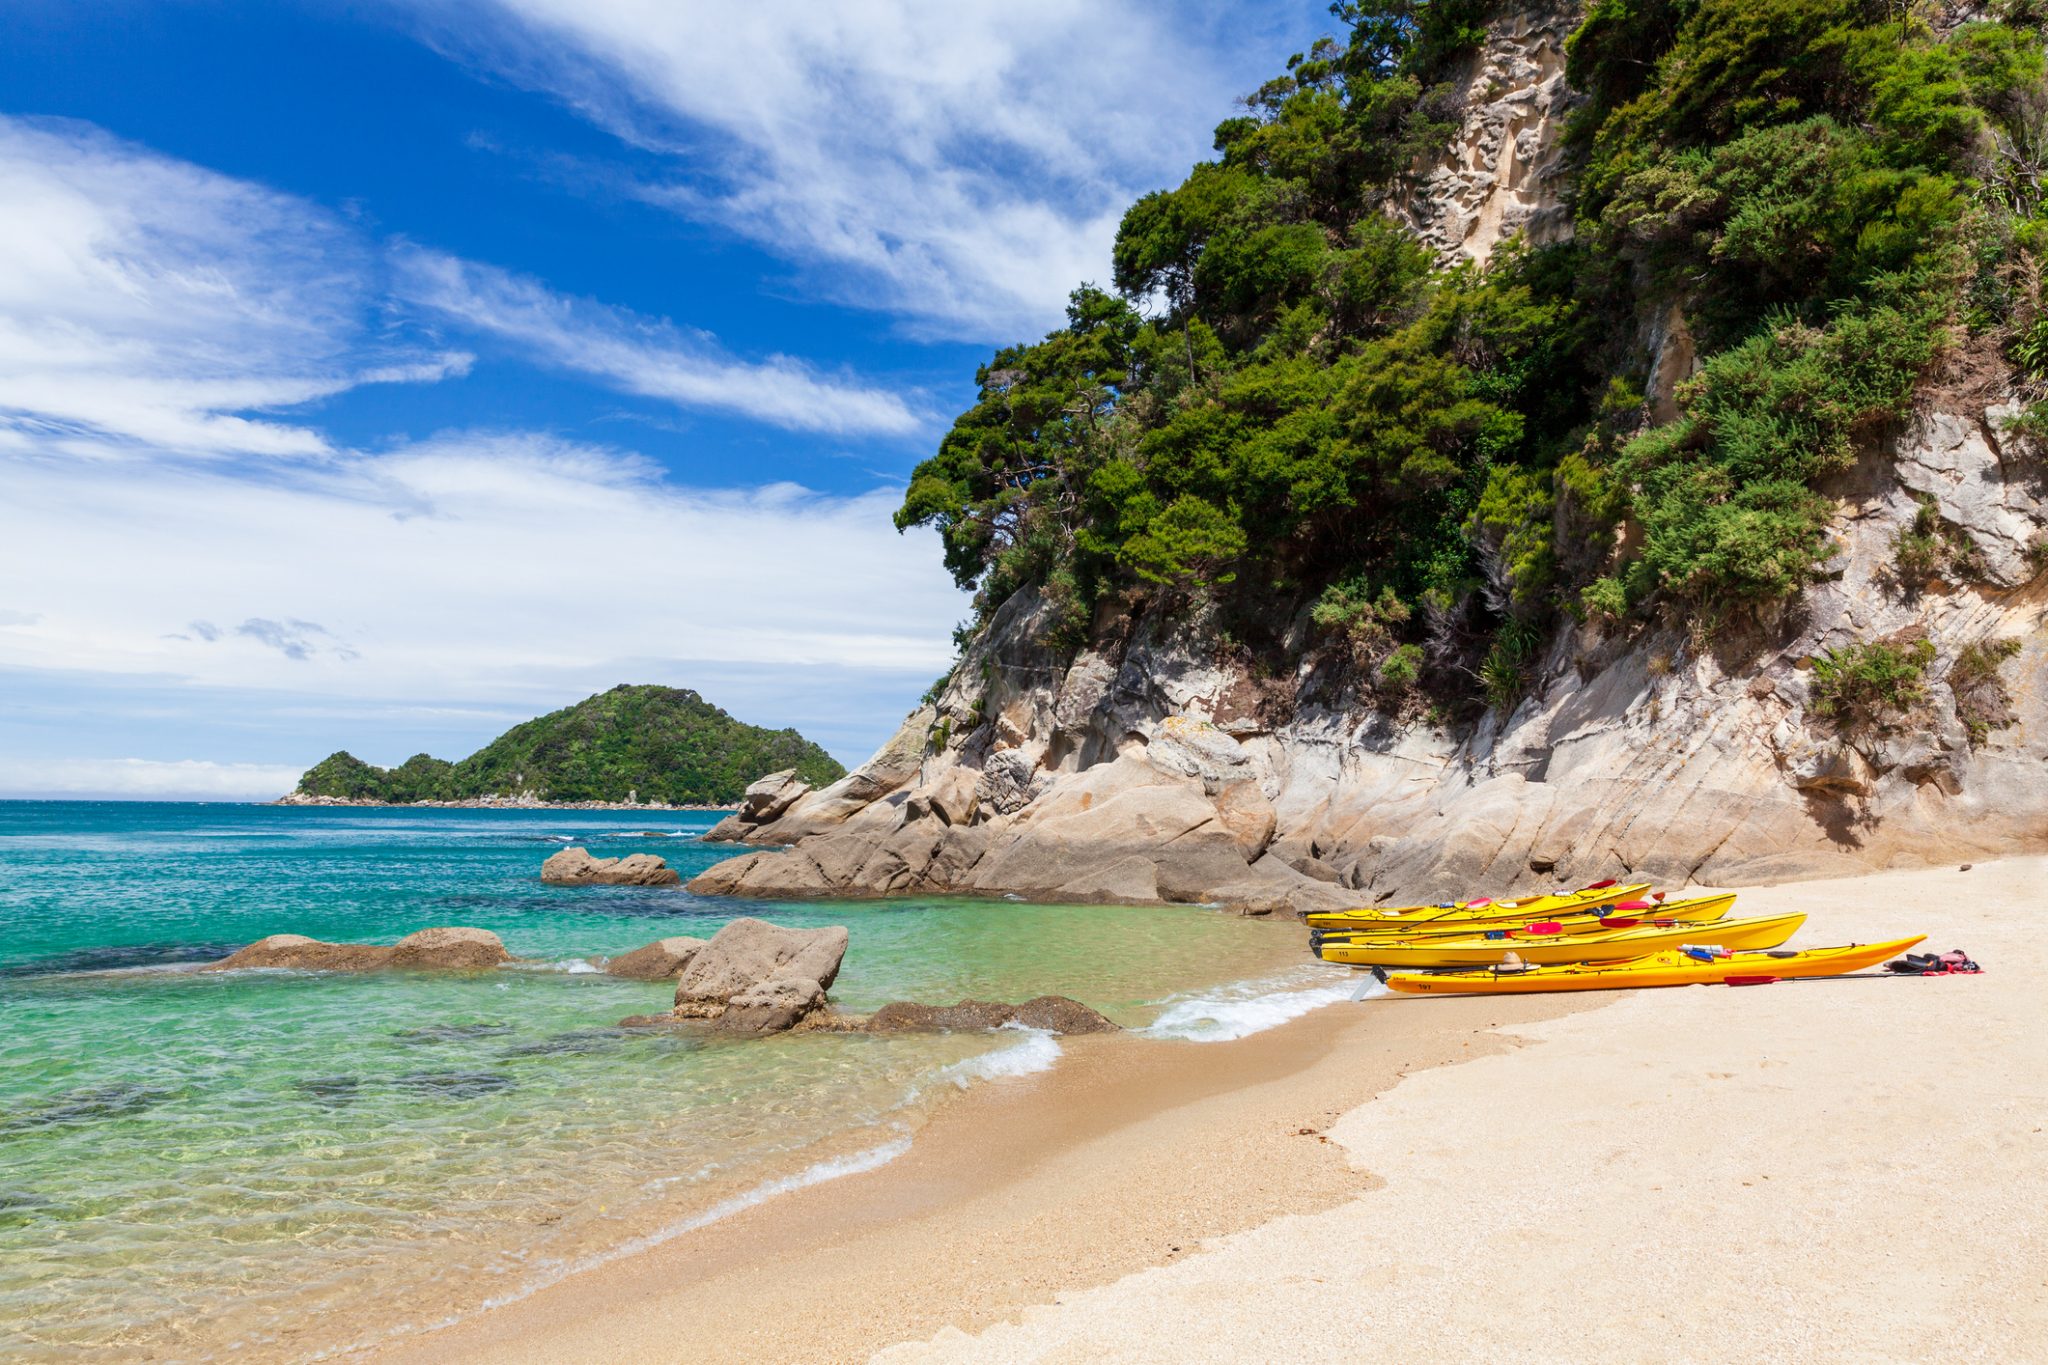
x=484, y=803
x=1681, y=1149
x=975, y=1221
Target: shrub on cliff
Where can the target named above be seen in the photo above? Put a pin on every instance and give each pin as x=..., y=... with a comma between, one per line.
x=1868, y=686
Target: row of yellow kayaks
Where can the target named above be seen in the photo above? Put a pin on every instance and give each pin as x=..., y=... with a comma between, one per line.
x=1601, y=937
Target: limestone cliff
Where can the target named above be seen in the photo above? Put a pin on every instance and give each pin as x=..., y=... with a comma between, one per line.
x=1160, y=763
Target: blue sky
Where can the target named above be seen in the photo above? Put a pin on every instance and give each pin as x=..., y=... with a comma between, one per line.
x=376, y=375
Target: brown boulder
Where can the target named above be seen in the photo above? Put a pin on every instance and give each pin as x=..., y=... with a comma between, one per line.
x=450, y=948
x=657, y=961
x=1054, y=1013
x=575, y=867
x=773, y=1006
x=440, y=949
x=747, y=952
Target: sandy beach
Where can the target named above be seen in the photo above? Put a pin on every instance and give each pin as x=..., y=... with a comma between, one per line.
x=1821, y=1170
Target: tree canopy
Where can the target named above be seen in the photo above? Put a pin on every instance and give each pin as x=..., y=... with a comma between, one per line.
x=1284, y=398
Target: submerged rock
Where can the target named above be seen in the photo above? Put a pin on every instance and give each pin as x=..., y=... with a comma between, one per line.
x=1054, y=1013
x=661, y=960
x=442, y=949
x=575, y=867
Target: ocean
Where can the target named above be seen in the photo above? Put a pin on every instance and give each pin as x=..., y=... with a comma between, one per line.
x=199, y=1165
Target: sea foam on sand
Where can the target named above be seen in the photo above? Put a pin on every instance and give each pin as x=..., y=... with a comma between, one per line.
x=1253, y=1006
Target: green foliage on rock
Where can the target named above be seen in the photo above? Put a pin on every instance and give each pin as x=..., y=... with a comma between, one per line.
x=1868, y=686
x=665, y=745
x=1290, y=406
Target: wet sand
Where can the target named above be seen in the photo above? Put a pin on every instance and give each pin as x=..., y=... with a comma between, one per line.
x=1129, y=1153
x=1806, y=1171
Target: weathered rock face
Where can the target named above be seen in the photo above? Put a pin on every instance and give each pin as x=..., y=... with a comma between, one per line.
x=575, y=867
x=1500, y=176
x=445, y=949
x=1152, y=769
x=660, y=960
x=1054, y=1013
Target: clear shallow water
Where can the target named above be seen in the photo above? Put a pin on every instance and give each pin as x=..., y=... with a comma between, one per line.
x=190, y=1161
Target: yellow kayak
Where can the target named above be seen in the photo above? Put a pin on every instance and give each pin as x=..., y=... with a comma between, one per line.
x=1608, y=945
x=1659, y=969
x=1627, y=915
x=1600, y=893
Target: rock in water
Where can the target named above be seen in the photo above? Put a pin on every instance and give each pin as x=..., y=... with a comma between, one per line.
x=747, y=952
x=752, y=977
x=575, y=867
x=660, y=960
x=1054, y=1013
x=440, y=949
x=773, y=1006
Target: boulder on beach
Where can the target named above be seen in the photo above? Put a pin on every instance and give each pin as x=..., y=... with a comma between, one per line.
x=575, y=867
x=439, y=949
x=1054, y=1013
x=661, y=960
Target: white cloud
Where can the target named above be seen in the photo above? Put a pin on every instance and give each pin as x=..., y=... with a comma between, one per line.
x=150, y=306
x=145, y=300
x=652, y=358
x=472, y=569
x=141, y=777
x=958, y=161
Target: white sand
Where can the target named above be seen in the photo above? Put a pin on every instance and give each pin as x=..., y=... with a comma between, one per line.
x=1830, y=1170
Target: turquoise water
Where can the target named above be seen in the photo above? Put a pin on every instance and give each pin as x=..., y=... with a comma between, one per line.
x=198, y=1164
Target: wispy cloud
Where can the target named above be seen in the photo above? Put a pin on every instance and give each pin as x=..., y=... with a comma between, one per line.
x=149, y=306
x=149, y=303
x=141, y=777
x=962, y=164
x=649, y=357
x=464, y=570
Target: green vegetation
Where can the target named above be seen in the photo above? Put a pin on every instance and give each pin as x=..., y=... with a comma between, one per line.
x=665, y=744
x=1288, y=406
x=1981, y=698
x=1930, y=545
x=1868, y=686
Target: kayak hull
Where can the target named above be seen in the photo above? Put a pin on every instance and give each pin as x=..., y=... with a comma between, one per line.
x=1698, y=910
x=1529, y=907
x=1609, y=945
x=1661, y=969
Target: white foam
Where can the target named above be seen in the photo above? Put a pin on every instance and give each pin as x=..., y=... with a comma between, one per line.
x=1253, y=1006
x=1036, y=1052
x=572, y=966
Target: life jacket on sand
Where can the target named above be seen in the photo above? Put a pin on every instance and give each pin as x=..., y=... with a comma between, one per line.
x=1955, y=963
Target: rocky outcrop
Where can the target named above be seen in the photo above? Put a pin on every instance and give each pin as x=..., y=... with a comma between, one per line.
x=1053, y=1013
x=1153, y=767
x=661, y=960
x=1501, y=174
x=575, y=867
x=752, y=977
x=446, y=949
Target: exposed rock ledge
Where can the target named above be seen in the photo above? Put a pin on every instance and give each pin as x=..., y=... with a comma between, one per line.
x=1153, y=766
x=447, y=949
x=575, y=867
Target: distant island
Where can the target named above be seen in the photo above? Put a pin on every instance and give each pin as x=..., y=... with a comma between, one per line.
x=634, y=745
